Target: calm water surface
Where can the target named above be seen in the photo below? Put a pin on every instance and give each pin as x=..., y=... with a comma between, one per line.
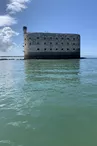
x=48, y=102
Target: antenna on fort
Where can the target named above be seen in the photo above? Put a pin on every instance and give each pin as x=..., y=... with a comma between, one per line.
x=24, y=29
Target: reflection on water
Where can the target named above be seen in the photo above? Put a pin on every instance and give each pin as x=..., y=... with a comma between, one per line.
x=48, y=102
x=88, y=71
x=52, y=71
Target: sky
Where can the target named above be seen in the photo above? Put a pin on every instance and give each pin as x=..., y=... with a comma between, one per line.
x=63, y=16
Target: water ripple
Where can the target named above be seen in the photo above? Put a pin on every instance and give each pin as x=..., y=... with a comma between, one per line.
x=48, y=102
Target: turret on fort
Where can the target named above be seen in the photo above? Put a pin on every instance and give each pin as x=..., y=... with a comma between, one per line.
x=25, y=29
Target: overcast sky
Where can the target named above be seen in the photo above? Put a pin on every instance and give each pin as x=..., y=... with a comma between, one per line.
x=66, y=16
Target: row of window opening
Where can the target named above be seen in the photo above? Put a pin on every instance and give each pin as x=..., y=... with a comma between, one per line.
x=55, y=38
x=51, y=43
x=55, y=49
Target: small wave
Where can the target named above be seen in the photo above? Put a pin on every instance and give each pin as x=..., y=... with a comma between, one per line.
x=5, y=141
x=9, y=143
x=17, y=124
x=21, y=124
x=2, y=105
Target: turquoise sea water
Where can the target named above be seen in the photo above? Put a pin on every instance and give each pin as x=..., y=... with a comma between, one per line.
x=48, y=102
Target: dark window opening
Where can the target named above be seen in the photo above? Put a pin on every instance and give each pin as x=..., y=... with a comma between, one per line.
x=30, y=43
x=51, y=38
x=62, y=49
x=56, y=38
x=73, y=43
x=44, y=38
x=73, y=38
x=37, y=37
x=44, y=48
x=56, y=43
x=67, y=43
x=37, y=43
x=25, y=44
x=45, y=43
x=62, y=38
x=73, y=48
x=67, y=38
x=37, y=48
x=56, y=48
x=67, y=49
x=29, y=38
x=50, y=43
x=62, y=43
x=50, y=48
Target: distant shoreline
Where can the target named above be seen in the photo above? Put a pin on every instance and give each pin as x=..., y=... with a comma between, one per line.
x=16, y=58
x=11, y=56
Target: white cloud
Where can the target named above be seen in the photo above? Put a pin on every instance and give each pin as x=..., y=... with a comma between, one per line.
x=17, y=5
x=6, y=42
x=6, y=33
x=7, y=20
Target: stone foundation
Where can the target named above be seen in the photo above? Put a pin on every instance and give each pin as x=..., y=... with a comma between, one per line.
x=53, y=55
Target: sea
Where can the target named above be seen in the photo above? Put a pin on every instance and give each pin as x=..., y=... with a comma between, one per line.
x=48, y=102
